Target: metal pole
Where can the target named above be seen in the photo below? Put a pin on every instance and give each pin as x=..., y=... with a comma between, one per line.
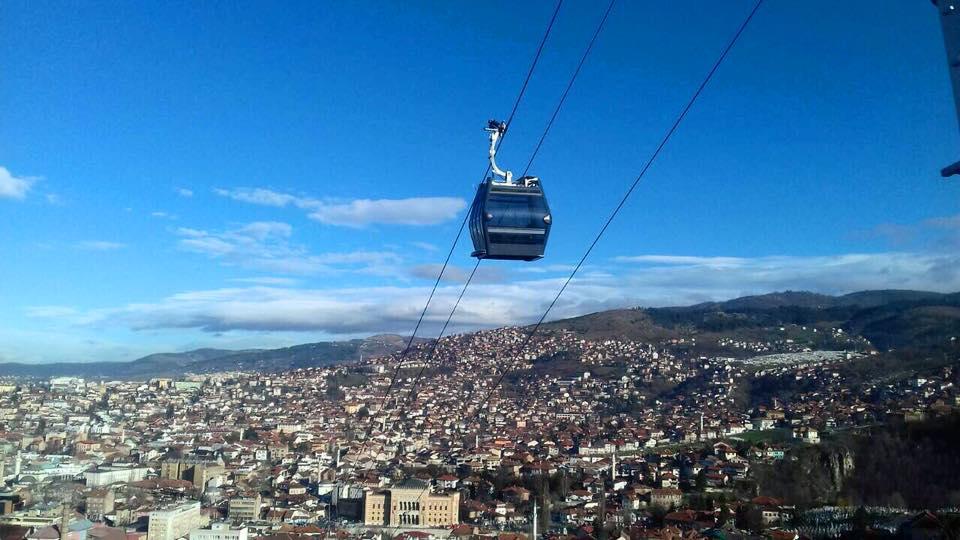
x=950, y=23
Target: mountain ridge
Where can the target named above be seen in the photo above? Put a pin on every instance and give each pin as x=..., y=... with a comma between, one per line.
x=887, y=318
x=208, y=360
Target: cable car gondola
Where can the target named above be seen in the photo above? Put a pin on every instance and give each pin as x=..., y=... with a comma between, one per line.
x=509, y=220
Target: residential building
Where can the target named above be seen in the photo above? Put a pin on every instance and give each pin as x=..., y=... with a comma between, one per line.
x=106, y=475
x=219, y=531
x=174, y=521
x=244, y=509
x=100, y=502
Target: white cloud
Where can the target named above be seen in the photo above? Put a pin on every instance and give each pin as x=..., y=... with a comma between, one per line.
x=413, y=211
x=162, y=215
x=359, y=212
x=266, y=246
x=266, y=197
x=184, y=192
x=395, y=309
x=99, y=245
x=12, y=187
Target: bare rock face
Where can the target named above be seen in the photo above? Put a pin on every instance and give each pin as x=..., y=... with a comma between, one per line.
x=839, y=464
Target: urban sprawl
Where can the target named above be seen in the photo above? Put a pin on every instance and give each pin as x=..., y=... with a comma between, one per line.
x=640, y=440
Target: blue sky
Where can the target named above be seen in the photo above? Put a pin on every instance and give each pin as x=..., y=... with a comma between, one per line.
x=178, y=175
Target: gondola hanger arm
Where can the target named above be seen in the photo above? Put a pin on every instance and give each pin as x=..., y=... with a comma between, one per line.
x=496, y=130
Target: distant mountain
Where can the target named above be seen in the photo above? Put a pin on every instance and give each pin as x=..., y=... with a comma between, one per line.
x=887, y=318
x=213, y=360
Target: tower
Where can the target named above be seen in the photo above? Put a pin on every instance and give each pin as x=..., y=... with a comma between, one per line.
x=534, y=519
x=64, y=520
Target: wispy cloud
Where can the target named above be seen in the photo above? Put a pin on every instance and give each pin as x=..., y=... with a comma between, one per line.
x=684, y=260
x=345, y=311
x=271, y=281
x=99, y=245
x=51, y=312
x=184, y=192
x=946, y=222
x=413, y=211
x=267, y=246
x=14, y=187
x=425, y=246
x=266, y=197
x=942, y=232
x=54, y=199
x=359, y=212
x=162, y=215
x=456, y=274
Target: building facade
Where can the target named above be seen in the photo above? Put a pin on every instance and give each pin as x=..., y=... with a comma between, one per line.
x=197, y=471
x=175, y=521
x=412, y=504
x=219, y=531
x=244, y=509
x=100, y=502
x=104, y=476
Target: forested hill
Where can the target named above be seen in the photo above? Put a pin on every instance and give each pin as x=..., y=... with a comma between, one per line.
x=887, y=318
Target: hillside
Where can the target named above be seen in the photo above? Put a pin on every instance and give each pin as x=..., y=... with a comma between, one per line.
x=888, y=319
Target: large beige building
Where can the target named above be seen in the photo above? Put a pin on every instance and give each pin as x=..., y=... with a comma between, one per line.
x=411, y=504
x=175, y=521
x=198, y=471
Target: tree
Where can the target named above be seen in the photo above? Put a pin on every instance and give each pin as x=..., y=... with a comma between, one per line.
x=896, y=500
x=861, y=520
x=724, y=516
x=546, y=506
x=170, y=411
x=601, y=530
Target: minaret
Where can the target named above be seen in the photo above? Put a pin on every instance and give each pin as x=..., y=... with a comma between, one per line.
x=613, y=467
x=701, y=426
x=64, y=521
x=534, y=520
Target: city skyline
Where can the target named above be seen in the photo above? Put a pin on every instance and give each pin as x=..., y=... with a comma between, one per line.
x=272, y=179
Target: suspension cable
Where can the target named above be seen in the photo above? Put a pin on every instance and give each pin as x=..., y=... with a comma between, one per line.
x=446, y=262
x=556, y=112
x=456, y=240
x=543, y=137
x=436, y=342
x=663, y=142
x=566, y=91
